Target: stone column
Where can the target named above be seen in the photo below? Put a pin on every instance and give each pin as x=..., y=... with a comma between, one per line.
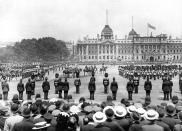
x=87, y=52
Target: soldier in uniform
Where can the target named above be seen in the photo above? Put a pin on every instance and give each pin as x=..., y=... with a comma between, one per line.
x=77, y=84
x=5, y=89
x=114, y=88
x=92, y=88
x=60, y=87
x=33, y=84
x=20, y=89
x=148, y=87
x=106, y=83
x=171, y=86
x=93, y=77
x=28, y=88
x=66, y=88
x=180, y=83
x=130, y=88
x=136, y=83
x=46, y=88
x=166, y=89
x=56, y=83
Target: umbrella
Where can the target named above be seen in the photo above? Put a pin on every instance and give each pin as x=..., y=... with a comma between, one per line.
x=91, y=108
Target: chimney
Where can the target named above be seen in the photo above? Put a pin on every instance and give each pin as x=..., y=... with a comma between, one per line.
x=116, y=37
x=97, y=36
x=125, y=37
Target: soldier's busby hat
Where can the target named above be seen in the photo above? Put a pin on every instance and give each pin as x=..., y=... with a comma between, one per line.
x=106, y=74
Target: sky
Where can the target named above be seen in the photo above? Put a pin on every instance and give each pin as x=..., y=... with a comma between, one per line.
x=70, y=20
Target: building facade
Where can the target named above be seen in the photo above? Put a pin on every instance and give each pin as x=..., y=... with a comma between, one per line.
x=106, y=47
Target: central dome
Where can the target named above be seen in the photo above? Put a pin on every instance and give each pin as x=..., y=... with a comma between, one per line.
x=132, y=34
x=107, y=32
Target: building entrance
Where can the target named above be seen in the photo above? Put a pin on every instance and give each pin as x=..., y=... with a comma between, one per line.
x=151, y=59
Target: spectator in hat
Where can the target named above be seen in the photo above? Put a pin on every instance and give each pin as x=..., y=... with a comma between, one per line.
x=178, y=127
x=12, y=119
x=70, y=99
x=62, y=121
x=34, y=111
x=147, y=102
x=136, y=126
x=82, y=99
x=175, y=100
x=109, y=101
x=88, y=123
x=99, y=118
x=113, y=125
x=151, y=116
x=26, y=124
x=48, y=118
x=159, y=121
x=120, y=113
x=15, y=99
x=169, y=118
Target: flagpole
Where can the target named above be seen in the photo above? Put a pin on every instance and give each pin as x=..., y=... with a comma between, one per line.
x=147, y=30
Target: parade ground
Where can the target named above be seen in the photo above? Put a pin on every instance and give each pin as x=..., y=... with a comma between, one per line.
x=156, y=93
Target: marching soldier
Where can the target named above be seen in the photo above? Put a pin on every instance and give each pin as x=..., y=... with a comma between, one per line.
x=92, y=88
x=66, y=88
x=114, y=88
x=171, y=86
x=20, y=89
x=33, y=84
x=166, y=89
x=28, y=88
x=60, y=87
x=77, y=84
x=136, y=83
x=130, y=88
x=46, y=88
x=56, y=80
x=106, y=83
x=148, y=87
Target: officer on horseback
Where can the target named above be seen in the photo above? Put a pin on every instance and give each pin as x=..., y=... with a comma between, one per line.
x=106, y=83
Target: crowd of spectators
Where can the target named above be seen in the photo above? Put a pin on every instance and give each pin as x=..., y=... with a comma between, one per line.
x=67, y=115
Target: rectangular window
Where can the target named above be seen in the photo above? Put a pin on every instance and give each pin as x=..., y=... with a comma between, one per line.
x=107, y=57
x=92, y=57
x=103, y=57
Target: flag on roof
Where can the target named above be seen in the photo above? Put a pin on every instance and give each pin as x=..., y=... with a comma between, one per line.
x=151, y=26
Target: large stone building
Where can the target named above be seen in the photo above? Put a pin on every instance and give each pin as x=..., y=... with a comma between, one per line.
x=106, y=47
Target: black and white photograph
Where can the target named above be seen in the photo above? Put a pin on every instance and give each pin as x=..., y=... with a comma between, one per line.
x=90, y=65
